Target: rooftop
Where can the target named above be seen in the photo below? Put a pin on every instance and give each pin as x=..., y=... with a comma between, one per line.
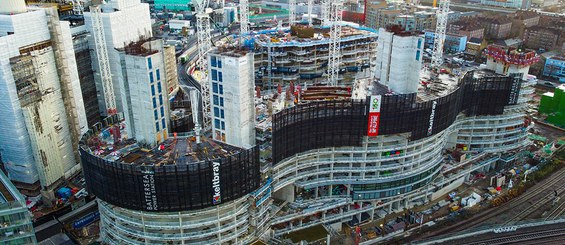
x=229, y=51
x=182, y=149
x=143, y=47
x=301, y=34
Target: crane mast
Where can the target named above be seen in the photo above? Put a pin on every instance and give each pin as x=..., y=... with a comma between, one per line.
x=325, y=5
x=291, y=12
x=243, y=17
x=103, y=61
x=335, y=41
x=439, y=37
x=310, y=6
x=204, y=45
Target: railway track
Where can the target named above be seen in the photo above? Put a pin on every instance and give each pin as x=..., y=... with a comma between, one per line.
x=555, y=213
x=526, y=198
x=524, y=238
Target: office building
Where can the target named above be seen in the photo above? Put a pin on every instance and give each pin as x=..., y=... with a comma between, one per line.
x=17, y=227
x=516, y=4
x=233, y=85
x=454, y=43
x=42, y=109
x=399, y=59
x=555, y=67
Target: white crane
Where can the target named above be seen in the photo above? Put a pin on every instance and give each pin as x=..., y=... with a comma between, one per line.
x=103, y=61
x=439, y=37
x=325, y=5
x=291, y=12
x=243, y=17
x=204, y=45
x=335, y=41
x=310, y=6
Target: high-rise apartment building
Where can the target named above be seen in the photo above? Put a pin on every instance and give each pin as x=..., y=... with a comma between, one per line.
x=399, y=59
x=232, y=86
x=123, y=22
x=146, y=107
x=43, y=111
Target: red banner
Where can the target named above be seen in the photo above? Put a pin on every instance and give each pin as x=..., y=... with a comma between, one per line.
x=374, y=120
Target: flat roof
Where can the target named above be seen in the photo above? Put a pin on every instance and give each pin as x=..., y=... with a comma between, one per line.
x=182, y=149
x=319, y=35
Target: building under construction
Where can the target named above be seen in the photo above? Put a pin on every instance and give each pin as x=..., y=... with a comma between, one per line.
x=300, y=54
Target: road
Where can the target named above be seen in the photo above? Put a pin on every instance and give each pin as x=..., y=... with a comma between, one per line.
x=54, y=227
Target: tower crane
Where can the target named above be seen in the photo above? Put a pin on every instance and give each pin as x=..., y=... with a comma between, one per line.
x=243, y=17
x=204, y=45
x=325, y=5
x=310, y=6
x=103, y=61
x=291, y=12
x=335, y=41
x=439, y=37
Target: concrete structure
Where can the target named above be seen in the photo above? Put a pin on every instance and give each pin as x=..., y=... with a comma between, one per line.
x=552, y=104
x=17, y=227
x=230, y=15
x=399, y=59
x=174, y=5
x=145, y=91
x=42, y=105
x=555, y=67
x=454, y=43
x=475, y=47
x=123, y=21
x=172, y=77
x=544, y=37
x=179, y=25
x=232, y=86
x=517, y=4
x=86, y=74
x=510, y=61
x=302, y=57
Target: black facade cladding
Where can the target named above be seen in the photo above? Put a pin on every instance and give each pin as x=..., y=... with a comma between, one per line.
x=176, y=187
x=333, y=124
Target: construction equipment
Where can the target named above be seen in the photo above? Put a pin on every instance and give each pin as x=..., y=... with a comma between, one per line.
x=439, y=37
x=204, y=45
x=310, y=6
x=335, y=41
x=103, y=61
x=243, y=17
x=326, y=5
x=291, y=12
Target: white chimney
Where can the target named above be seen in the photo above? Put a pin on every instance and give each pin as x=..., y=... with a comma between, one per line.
x=12, y=6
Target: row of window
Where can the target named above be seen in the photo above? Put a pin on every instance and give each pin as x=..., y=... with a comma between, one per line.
x=216, y=62
x=163, y=124
x=155, y=101
x=217, y=76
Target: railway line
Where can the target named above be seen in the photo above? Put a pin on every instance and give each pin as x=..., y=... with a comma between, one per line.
x=538, y=195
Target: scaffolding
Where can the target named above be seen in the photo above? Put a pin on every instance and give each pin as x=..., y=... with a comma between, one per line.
x=103, y=61
x=334, y=54
x=204, y=45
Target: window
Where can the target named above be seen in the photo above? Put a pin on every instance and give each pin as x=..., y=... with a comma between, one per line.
x=213, y=61
x=223, y=126
x=159, y=87
x=150, y=76
x=221, y=101
x=163, y=124
x=152, y=90
x=157, y=126
x=217, y=123
x=215, y=87
x=219, y=63
x=220, y=78
x=162, y=111
x=216, y=112
x=222, y=113
x=160, y=99
x=156, y=115
x=149, y=63
x=419, y=43
x=216, y=100
x=214, y=75
x=221, y=89
x=154, y=103
x=418, y=55
x=158, y=74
